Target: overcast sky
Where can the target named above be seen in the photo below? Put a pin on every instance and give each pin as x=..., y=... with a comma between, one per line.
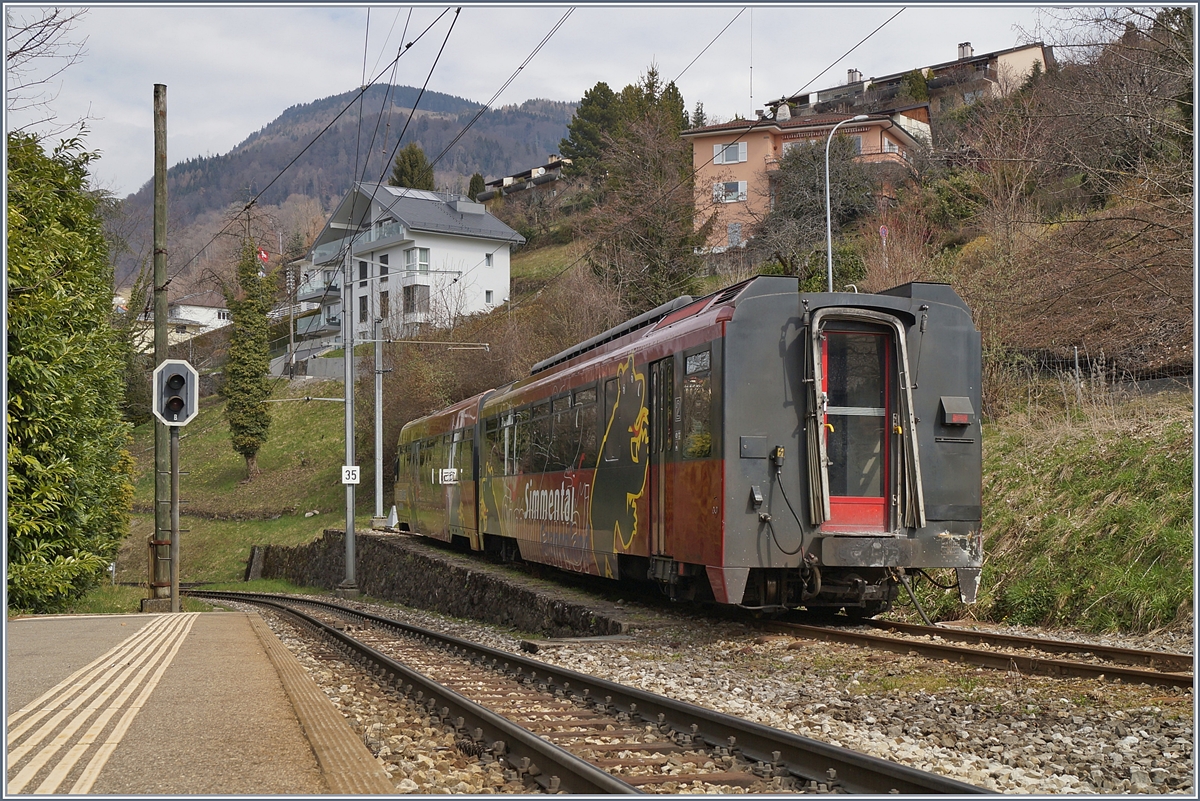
x=230, y=70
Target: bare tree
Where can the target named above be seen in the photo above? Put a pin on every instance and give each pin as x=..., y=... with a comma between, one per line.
x=793, y=231
x=39, y=47
x=645, y=229
x=1083, y=182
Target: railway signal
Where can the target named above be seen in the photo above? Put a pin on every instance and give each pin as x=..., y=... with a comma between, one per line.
x=176, y=392
x=175, y=401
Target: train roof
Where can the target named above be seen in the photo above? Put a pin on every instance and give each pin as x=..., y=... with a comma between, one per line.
x=681, y=308
x=448, y=419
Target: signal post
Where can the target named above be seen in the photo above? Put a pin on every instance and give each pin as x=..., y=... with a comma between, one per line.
x=176, y=398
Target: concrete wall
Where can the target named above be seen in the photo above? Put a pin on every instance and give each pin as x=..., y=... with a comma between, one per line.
x=398, y=568
x=326, y=368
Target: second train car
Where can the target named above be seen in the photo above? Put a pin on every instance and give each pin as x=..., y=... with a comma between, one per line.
x=760, y=447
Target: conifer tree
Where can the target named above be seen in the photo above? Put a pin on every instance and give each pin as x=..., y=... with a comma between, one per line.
x=477, y=186
x=598, y=114
x=246, y=385
x=412, y=169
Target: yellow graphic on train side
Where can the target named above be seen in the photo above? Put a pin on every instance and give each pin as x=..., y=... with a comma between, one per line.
x=612, y=510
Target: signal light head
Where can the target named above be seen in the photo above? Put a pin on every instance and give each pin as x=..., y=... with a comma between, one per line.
x=176, y=391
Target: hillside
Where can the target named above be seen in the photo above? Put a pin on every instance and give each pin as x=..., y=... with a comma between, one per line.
x=502, y=141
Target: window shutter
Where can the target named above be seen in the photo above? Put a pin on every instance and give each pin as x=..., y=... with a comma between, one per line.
x=718, y=152
x=741, y=190
x=742, y=151
x=719, y=193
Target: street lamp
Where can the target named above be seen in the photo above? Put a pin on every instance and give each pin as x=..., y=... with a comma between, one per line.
x=828, y=212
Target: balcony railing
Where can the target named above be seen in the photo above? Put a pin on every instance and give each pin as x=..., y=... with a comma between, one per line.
x=385, y=231
x=869, y=154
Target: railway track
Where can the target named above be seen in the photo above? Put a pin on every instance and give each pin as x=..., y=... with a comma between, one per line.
x=998, y=651
x=568, y=732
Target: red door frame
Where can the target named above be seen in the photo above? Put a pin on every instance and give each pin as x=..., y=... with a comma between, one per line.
x=854, y=513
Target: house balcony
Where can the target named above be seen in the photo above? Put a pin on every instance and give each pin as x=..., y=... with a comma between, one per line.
x=318, y=325
x=325, y=294
x=868, y=155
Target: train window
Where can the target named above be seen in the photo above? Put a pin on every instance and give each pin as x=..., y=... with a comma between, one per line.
x=537, y=456
x=585, y=420
x=464, y=460
x=492, y=458
x=612, y=444
x=697, y=407
x=565, y=441
x=520, y=442
x=584, y=396
x=698, y=362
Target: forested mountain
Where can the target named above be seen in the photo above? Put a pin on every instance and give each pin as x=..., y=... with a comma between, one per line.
x=357, y=146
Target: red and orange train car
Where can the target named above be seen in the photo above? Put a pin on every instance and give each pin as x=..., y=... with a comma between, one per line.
x=760, y=446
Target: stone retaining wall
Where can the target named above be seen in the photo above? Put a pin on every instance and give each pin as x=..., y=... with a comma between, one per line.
x=394, y=567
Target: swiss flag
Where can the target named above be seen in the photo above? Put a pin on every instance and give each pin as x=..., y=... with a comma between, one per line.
x=263, y=256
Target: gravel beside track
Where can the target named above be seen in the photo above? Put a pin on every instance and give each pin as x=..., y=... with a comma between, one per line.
x=1003, y=731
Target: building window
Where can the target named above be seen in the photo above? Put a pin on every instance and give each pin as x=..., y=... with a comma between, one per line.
x=362, y=273
x=383, y=305
x=416, y=260
x=729, y=154
x=181, y=329
x=487, y=260
x=734, y=234
x=487, y=297
x=328, y=277
x=416, y=298
x=224, y=315
x=889, y=146
x=971, y=97
x=362, y=309
x=383, y=266
x=729, y=192
x=857, y=142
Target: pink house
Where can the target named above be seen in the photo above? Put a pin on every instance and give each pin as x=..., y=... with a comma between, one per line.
x=734, y=160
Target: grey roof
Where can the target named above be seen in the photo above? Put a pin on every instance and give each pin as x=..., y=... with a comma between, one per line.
x=421, y=210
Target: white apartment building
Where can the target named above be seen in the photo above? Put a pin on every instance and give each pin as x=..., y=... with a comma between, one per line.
x=413, y=257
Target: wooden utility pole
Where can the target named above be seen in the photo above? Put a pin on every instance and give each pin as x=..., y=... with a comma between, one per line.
x=160, y=541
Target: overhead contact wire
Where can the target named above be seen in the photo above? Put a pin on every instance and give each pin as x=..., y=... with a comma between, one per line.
x=696, y=171
x=305, y=149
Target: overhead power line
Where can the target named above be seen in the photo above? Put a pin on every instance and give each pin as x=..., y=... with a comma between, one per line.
x=750, y=127
x=290, y=164
x=710, y=44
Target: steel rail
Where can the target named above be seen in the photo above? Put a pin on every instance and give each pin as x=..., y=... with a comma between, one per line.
x=805, y=758
x=987, y=659
x=1165, y=661
x=548, y=765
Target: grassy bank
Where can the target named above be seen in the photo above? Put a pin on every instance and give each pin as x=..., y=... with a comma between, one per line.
x=300, y=460
x=1088, y=516
x=224, y=515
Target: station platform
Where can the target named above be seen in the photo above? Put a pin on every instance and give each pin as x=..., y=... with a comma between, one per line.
x=172, y=704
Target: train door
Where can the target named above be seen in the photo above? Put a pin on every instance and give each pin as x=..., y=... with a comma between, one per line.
x=856, y=382
x=662, y=444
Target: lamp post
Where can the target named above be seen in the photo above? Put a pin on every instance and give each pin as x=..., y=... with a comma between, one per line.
x=828, y=212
